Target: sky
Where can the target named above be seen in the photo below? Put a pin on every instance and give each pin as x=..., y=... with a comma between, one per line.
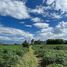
x=32, y=19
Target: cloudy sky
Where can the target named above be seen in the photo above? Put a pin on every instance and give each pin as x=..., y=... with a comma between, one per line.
x=32, y=19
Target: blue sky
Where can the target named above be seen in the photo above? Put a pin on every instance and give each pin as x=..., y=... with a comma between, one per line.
x=32, y=19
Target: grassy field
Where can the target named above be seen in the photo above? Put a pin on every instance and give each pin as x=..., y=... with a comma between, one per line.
x=13, y=47
x=52, y=55
x=17, y=56
x=36, y=56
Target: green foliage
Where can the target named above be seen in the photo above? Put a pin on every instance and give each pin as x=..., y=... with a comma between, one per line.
x=8, y=58
x=52, y=54
x=28, y=60
x=17, y=56
x=59, y=47
x=49, y=56
x=55, y=65
x=9, y=55
x=55, y=41
x=20, y=56
x=25, y=44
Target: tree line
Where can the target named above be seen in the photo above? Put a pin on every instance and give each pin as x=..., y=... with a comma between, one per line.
x=39, y=42
x=49, y=41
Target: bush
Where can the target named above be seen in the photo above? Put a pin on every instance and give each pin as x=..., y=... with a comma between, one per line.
x=58, y=47
x=25, y=44
x=49, y=57
x=10, y=57
x=55, y=56
x=55, y=65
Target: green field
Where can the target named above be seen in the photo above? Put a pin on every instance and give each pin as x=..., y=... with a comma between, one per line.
x=34, y=56
x=15, y=56
x=55, y=55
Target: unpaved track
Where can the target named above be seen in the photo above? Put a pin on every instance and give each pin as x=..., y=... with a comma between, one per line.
x=40, y=62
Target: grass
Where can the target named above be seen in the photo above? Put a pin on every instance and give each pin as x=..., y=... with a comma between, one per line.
x=52, y=54
x=17, y=56
x=12, y=47
x=49, y=46
x=27, y=57
x=28, y=60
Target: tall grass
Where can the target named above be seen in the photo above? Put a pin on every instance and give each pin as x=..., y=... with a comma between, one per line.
x=28, y=60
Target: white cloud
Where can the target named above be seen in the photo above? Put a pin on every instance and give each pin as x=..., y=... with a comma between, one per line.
x=62, y=27
x=14, y=8
x=43, y=35
x=49, y=29
x=28, y=26
x=44, y=11
x=45, y=32
x=36, y=19
x=59, y=4
x=58, y=32
x=41, y=25
x=4, y=38
x=12, y=34
x=38, y=9
x=21, y=22
x=50, y=1
x=56, y=16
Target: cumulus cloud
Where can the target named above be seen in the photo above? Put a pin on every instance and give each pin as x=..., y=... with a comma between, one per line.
x=13, y=34
x=50, y=10
x=28, y=26
x=38, y=9
x=45, y=32
x=18, y=10
x=57, y=32
x=36, y=19
x=13, y=8
x=47, y=11
x=21, y=22
x=56, y=16
x=62, y=27
x=59, y=4
x=41, y=25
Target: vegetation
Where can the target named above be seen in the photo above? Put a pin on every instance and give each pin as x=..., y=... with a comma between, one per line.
x=17, y=56
x=25, y=44
x=28, y=60
x=52, y=56
x=50, y=53
x=55, y=41
x=49, y=41
x=55, y=65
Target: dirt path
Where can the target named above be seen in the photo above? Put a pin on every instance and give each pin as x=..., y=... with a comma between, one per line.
x=40, y=62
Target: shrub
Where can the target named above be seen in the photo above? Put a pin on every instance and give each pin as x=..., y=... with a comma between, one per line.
x=10, y=57
x=55, y=65
x=49, y=57
x=25, y=44
x=59, y=47
x=55, y=56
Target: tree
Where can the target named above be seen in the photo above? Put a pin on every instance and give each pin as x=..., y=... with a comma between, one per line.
x=37, y=42
x=55, y=41
x=65, y=42
x=25, y=44
x=32, y=41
